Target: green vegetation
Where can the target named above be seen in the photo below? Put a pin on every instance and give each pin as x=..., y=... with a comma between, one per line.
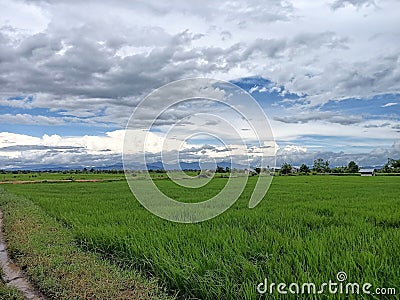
x=9, y=293
x=41, y=176
x=304, y=169
x=321, y=166
x=47, y=251
x=392, y=166
x=307, y=229
x=286, y=169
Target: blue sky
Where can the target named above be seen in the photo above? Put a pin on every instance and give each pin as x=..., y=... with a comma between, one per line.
x=378, y=111
x=70, y=79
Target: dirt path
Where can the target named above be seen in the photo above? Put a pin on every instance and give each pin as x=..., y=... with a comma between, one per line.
x=12, y=274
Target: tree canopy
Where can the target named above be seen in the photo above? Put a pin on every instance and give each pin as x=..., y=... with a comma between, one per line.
x=286, y=169
x=321, y=166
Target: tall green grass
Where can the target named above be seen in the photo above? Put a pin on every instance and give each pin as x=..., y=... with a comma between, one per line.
x=307, y=229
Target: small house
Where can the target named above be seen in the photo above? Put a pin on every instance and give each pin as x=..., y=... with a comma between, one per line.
x=367, y=172
x=295, y=169
x=275, y=171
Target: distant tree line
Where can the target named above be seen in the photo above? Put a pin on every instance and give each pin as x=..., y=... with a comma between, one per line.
x=221, y=169
x=72, y=171
x=322, y=166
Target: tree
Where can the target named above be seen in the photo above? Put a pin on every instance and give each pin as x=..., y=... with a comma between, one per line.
x=392, y=166
x=321, y=166
x=220, y=169
x=352, y=167
x=395, y=163
x=286, y=169
x=304, y=169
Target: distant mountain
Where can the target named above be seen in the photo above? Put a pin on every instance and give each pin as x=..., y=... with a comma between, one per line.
x=118, y=166
x=42, y=168
x=189, y=165
x=155, y=166
x=158, y=165
x=184, y=165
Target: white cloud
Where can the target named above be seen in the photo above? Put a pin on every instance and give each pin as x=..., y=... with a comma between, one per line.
x=390, y=104
x=94, y=68
x=30, y=119
x=27, y=151
x=306, y=47
x=24, y=151
x=294, y=148
x=376, y=157
x=27, y=17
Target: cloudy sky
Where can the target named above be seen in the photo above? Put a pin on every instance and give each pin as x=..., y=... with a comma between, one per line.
x=326, y=73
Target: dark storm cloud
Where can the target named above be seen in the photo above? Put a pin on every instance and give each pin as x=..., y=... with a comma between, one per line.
x=75, y=65
x=93, y=61
x=321, y=116
x=39, y=147
x=357, y=3
x=82, y=62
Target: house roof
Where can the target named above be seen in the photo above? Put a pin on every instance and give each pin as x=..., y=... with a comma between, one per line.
x=366, y=171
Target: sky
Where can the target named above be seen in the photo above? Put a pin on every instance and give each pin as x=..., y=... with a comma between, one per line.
x=325, y=73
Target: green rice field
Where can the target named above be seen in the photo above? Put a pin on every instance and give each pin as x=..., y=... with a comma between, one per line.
x=307, y=229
